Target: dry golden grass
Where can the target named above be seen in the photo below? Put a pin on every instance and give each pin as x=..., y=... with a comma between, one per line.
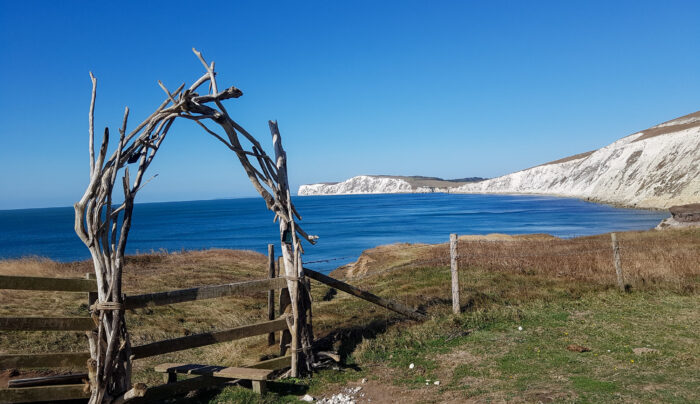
x=494, y=270
x=669, y=258
x=143, y=274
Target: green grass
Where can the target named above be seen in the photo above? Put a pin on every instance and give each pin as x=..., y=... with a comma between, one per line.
x=524, y=364
x=479, y=355
x=482, y=355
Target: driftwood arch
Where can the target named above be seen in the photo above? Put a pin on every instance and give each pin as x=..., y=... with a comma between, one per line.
x=104, y=228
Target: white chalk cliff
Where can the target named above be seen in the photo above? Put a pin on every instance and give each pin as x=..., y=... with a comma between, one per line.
x=384, y=184
x=362, y=184
x=656, y=168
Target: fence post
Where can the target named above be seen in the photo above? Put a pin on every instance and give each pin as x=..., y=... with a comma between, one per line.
x=92, y=296
x=271, y=293
x=616, y=260
x=455, y=276
x=285, y=300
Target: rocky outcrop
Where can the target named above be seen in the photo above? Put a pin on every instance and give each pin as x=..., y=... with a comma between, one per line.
x=682, y=216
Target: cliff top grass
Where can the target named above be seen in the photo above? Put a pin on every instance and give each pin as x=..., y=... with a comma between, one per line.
x=561, y=292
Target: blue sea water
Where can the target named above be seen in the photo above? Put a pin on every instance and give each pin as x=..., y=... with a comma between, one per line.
x=346, y=224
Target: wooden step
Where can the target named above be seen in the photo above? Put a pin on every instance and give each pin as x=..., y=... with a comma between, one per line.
x=216, y=371
x=256, y=376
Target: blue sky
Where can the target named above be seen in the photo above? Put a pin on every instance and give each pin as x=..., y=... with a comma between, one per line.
x=440, y=88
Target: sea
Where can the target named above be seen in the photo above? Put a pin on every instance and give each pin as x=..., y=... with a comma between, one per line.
x=346, y=224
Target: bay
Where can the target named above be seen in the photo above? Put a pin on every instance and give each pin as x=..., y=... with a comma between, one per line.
x=346, y=224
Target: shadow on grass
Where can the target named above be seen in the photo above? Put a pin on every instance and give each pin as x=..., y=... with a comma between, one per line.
x=241, y=392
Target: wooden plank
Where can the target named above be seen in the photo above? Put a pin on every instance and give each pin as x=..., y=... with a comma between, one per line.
x=285, y=335
x=165, y=391
x=216, y=371
x=204, y=292
x=273, y=364
x=372, y=298
x=42, y=283
x=271, y=293
x=208, y=338
x=43, y=393
x=50, y=360
x=48, y=380
x=47, y=323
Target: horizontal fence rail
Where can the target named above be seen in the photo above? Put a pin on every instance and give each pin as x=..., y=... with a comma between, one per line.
x=47, y=323
x=208, y=338
x=44, y=360
x=48, y=380
x=204, y=292
x=43, y=394
x=52, y=284
x=273, y=364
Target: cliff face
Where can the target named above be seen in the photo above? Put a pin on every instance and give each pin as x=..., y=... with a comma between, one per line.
x=362, y=184
x=655, y=168
x=384, y=184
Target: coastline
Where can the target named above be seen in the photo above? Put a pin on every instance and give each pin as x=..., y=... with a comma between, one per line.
x=581, y=198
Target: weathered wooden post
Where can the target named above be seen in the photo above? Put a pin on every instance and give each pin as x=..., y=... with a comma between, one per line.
x=454, y=268
x=302, y=333
x=284, y=301
x=616, y=260
x=271, y=293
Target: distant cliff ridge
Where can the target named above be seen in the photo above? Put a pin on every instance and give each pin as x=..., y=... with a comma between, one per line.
x=655, y=168
x=384, y=184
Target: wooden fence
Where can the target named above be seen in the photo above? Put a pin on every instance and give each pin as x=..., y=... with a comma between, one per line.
x=29, y=392
x=46, y=360
x=454, y=269
x=32, y=390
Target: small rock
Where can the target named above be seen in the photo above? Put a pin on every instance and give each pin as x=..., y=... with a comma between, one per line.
x=520, y=328
x=307, y=398
x=411, y=366
x=437, y=382
x=363, y=381
x=642, y=351
x=578, y=348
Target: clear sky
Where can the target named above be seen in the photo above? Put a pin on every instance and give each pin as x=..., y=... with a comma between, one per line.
x=436, y=88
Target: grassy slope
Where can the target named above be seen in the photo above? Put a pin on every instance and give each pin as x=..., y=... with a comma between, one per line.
x=559, y=291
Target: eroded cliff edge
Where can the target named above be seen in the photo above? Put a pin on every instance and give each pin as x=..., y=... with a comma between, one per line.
x=655, y=168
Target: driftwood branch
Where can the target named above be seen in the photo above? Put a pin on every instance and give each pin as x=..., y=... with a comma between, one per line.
x=104, y=228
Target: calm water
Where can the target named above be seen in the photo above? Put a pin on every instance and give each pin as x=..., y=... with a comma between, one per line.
x=346, y=224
